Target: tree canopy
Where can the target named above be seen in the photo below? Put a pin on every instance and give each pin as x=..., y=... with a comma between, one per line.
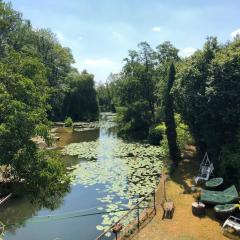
x=36, y=81
x=205, y=93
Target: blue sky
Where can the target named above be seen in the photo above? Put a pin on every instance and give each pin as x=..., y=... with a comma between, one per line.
x=100, y=32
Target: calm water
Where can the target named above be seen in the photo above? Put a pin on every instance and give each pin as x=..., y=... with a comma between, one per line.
x=29, y=222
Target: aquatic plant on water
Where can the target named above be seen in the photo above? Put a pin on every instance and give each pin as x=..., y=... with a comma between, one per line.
x=128, y=171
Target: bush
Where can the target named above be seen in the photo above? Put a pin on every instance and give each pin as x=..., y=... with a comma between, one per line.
x=183, y=133
x=68, y=122
x=229, y=167
x=156, y=133
x=229, y=164
x=134, y=120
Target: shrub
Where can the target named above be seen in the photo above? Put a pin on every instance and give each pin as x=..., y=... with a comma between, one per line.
x=134, y=120
x=229, y=164
x=229, y=167
x=183, y=133
x=156, y=133
x=68, y=122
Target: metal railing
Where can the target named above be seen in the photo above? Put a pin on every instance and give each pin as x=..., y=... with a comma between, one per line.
x=131, y=222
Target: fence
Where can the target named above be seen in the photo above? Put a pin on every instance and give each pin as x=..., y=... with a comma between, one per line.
x=131, y=222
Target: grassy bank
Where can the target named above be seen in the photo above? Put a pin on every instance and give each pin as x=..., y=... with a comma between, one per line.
x=184, y=225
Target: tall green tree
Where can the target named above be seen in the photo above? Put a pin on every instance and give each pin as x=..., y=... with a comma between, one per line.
x=165, y=54
x=24, y=93
x=174, y=151
x=80, y=102
x=207, y=92
x=193, y=99
x=57, y=61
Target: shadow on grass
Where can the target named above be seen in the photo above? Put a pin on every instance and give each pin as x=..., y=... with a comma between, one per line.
x=184, y=176
x=211, y=215
x=187, y=170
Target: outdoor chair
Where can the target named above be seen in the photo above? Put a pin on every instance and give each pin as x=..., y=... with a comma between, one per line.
x=231, y=226
x=205, y=170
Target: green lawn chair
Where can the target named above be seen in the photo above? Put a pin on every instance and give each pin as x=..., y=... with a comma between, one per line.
x=229, y=195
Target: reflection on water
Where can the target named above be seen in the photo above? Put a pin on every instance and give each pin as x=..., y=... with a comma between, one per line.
x=70, y=136
x=72, y=219
x=27, y=221
x=45, y=224
x=17, y=211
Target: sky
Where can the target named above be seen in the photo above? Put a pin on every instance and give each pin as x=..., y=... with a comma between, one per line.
x=100, y=32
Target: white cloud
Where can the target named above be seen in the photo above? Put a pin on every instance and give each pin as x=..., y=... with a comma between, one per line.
x=117, y=35
x=156, y=29
x=59, y=36
x=235, y=34
x=187, y=52
x=99, y=62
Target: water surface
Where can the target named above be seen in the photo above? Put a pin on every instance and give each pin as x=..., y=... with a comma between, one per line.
x=107, y=183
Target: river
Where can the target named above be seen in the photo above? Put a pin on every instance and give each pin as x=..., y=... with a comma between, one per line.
x=108, y=174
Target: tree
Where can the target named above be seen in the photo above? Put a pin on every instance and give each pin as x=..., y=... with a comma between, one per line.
x=207, y=92
x=106, y=92
x=57, y=60
x=135, y=120
x=80, y=102
x=24, y=93
x=174, y=151
x=193, y=101
x=165, y=54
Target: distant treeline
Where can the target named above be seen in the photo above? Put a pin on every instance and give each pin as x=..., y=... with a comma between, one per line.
x=205, y=91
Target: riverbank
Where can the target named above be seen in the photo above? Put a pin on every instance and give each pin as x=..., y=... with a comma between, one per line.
x=183, y=226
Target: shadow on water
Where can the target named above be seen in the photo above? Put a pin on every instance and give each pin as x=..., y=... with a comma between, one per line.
x=65, y=222
x=25, y=220
x=18, y=210
x=15, y=213
x=68, y=135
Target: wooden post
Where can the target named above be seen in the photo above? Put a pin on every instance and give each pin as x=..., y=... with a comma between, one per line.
x=117, y=228
x=164, y=188
x=138, y=217
x=154, y=200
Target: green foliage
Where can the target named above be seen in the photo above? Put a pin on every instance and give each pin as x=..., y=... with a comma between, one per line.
x=104, y=99
x=229, y=166
x=39, y=49
x=207, y=90
x=106, y=94
x=134, y=120
x=26, y=81
x=193, y=101
x=171, y=133
x=156, y=133
x=80, y=102
x=50, y=182
x=183, y=133
x=68, y=122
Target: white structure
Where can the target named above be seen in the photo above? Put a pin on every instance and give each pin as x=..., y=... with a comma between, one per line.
x=206, y=169
x=232, y=222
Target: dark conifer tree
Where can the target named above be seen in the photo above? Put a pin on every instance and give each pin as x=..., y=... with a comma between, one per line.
x=174, y=151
